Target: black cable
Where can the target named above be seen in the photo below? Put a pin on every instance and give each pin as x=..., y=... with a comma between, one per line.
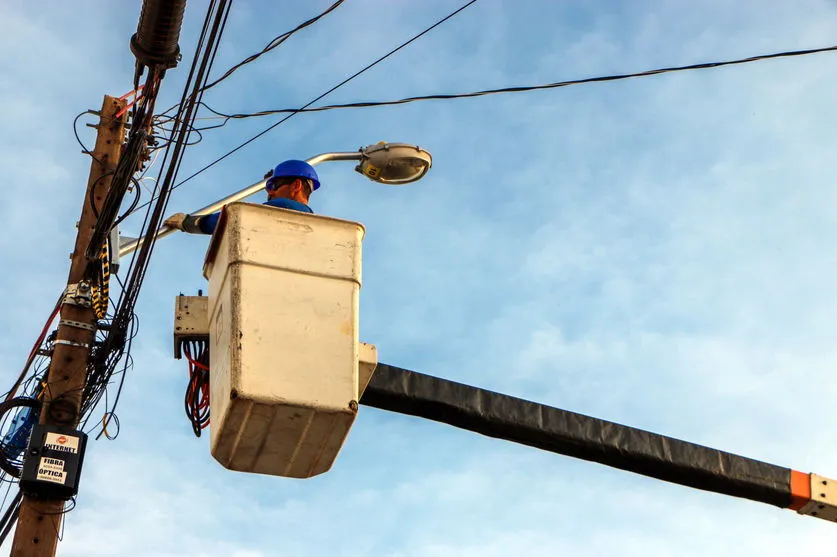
x=106, y=421
x=84, y=148
x=5, y=498
x=129, y=162
x=111, y=416
x=274, y=43
x=10, y=517
x=64, y=510
x=132, y=206
x=160, y=124
x=527, y=88
x=92, y=201
x=342, y=83
x=120, y=315
x=101, y=367
x=92, y=191
x=100, y=378
x=117, y=342
x=123, y=174
x=140, y=260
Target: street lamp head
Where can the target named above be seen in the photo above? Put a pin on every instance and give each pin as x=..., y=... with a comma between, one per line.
x=394, y=163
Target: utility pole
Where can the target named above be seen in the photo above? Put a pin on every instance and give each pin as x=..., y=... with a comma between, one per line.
x=39, y=522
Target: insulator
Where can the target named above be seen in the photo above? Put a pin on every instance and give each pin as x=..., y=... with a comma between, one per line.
x=155, y=42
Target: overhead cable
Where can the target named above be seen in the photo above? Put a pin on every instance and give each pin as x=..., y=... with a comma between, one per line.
x=274, y=43
x=521, y=89
x=117, y=343
x=329, y=91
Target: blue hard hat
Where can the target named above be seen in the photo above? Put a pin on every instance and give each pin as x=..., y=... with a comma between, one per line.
x=294, y=169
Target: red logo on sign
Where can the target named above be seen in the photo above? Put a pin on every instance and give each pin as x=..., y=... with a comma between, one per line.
x=61, y=440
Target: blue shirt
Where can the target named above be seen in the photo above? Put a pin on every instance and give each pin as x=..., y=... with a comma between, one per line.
x=209, y=222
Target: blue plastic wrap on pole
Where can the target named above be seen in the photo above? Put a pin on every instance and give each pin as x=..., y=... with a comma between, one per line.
x=14, y=442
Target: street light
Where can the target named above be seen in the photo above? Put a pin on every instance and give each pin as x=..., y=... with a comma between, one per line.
x=394, y=163
x=386, y=163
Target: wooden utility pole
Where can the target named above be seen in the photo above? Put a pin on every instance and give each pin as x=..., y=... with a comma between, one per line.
x=39, y=522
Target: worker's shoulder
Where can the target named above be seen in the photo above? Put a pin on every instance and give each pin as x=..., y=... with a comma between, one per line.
x=284, y=203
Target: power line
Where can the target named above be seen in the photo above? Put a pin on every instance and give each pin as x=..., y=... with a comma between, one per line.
x=521, y=89
x=342, y=83
x=274, y=43
x=117, y=342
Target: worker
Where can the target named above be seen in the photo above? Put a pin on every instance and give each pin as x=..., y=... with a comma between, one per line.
x=289, y=186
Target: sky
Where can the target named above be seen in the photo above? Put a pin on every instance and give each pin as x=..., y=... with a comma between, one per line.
x=656, y=252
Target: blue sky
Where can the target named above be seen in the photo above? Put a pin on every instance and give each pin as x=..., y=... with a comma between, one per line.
x=656, y=252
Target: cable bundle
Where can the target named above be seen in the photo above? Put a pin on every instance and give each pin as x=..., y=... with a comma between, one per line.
x=197, y=390
x=101, y=285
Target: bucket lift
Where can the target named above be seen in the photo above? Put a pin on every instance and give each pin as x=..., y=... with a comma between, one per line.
x=286, y=366
x=287, y=370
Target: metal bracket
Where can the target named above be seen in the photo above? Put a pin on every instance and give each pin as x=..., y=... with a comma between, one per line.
x=823, y=503
x=73, y=343
x=78, y=294
x=367, y=362
x=77, y=325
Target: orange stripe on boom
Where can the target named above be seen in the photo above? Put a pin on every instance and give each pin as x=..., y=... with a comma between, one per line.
x=800, y=488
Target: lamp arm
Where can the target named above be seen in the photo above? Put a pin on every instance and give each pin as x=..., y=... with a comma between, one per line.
x=163, y=231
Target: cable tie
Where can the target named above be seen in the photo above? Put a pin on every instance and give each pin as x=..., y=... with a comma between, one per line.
x=73, y=343
x=77, y=325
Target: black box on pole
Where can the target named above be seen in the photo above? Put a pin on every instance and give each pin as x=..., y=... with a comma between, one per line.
x=52, y=462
